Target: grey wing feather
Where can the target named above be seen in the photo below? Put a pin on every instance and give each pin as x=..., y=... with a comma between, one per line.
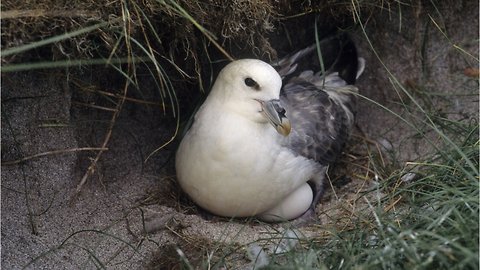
x=321, y=112
x=321, y=107
x=288, y=65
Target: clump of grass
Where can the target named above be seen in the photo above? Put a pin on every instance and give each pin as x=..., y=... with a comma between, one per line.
x=434, y=226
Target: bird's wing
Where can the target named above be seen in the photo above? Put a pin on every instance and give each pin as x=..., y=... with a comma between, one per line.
x=320, y=107
x=322, y=116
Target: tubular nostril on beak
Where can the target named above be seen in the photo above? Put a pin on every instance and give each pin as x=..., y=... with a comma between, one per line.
x=276, y=115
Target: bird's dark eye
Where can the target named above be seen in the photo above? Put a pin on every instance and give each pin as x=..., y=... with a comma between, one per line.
x=251, y=83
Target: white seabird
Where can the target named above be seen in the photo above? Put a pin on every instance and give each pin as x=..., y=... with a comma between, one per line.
x=256, y=150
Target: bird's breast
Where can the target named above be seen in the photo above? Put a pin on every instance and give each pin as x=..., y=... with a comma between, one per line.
x=238, y=168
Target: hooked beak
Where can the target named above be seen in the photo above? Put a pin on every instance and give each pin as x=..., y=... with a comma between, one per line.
x=275, y=114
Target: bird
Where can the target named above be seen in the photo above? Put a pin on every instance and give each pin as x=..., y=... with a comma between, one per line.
x=262, y=141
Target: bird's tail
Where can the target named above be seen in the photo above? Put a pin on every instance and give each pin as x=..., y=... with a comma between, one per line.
x=332, y=65
x=335, y=54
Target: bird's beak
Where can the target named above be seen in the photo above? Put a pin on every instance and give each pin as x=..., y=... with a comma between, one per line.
x=275, y=114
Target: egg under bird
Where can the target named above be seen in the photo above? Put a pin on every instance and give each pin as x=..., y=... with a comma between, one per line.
x=256, y=148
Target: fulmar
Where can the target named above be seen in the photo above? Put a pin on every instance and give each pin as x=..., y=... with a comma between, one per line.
x=256, y=148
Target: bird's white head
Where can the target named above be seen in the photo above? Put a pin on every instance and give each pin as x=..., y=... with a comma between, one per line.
x=251, y=88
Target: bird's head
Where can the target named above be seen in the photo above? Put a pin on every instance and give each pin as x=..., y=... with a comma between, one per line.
x=251, y=88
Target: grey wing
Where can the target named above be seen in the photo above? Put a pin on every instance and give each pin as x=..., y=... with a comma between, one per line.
x=321, y=117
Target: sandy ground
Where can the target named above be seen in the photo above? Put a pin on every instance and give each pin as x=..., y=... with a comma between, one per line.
x=106, y=225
